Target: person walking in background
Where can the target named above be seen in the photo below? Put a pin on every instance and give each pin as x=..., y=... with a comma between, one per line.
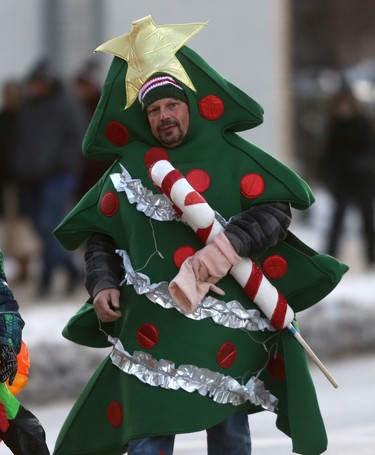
x=348, y=169
x=46, y=164
x=19, y=241
x=12, y=100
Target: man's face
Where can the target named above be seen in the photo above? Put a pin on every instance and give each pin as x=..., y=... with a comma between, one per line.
x=169, y=121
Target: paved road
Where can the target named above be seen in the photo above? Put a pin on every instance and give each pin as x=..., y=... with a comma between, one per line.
x=349, y=414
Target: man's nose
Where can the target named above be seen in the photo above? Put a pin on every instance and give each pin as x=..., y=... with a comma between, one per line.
x=164, y=113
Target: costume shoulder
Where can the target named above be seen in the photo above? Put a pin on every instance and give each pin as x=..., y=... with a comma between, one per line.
x=81, y=221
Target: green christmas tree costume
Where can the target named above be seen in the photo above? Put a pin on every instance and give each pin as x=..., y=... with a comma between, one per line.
x=179, y=374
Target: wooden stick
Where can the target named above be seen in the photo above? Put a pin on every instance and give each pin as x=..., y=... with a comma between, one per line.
x=313, y=356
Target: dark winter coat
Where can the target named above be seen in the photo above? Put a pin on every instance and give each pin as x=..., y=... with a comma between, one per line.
x=349, y=160
x=50, y=137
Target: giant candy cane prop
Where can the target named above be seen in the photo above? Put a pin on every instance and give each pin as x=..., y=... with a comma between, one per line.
x=198, y=214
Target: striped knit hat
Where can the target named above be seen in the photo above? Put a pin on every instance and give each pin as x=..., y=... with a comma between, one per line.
x=158, y=87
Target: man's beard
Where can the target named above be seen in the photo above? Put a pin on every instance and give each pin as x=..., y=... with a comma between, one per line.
x=170, y=138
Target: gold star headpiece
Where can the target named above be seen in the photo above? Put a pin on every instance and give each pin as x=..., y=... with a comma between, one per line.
x=149, y=48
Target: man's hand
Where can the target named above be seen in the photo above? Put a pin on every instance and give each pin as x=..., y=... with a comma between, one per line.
x=107, y=305
x=8, y=363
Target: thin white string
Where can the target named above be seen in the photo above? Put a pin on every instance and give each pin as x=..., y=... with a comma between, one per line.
x=157, y=251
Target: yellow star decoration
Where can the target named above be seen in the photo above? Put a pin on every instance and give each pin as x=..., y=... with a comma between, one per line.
x=149, y=48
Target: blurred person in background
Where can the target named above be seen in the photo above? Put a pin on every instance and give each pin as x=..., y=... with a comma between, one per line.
x=348, y=169
x=87, y=89
x=19, y=242
x=12, y=99
x=47, y=165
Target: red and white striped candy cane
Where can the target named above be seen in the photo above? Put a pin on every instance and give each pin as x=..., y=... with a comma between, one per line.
x=198, y=214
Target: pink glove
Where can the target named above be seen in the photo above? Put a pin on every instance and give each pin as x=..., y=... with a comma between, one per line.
x=199, y=273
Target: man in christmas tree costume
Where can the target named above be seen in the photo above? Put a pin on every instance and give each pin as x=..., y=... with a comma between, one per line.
x=185, y=359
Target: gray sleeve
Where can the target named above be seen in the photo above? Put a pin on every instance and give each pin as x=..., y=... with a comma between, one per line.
x=103, y=265
x=255, y=230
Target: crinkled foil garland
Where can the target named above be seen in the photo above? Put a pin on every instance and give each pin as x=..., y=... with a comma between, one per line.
x=163, y=373
x=229, y=314
x=222, y=389
x=155, y=206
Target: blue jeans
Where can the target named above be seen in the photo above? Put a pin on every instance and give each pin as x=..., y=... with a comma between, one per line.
x=46, y=202
x=231, y=437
